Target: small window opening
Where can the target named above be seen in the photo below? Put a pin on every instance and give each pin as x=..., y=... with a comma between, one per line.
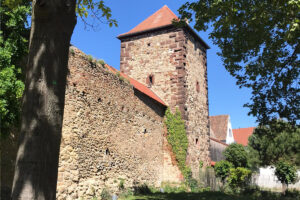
x=107, y=152
x=151, y=80
x=145, y=131
x=149, y=44
x=197, y=140
x=99, y=100
x=197, y=87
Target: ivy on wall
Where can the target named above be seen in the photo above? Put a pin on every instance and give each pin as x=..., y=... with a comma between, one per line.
x=177, y=138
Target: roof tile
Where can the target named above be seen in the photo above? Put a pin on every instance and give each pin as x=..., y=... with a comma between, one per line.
x=241, y=135
x=137, y=85
x=160, y=18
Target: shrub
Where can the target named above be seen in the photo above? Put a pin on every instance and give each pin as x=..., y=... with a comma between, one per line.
x=285, y=172
x=90, y=58
x=72, y=52
x=239, y=178
x=105, y=195
x=101, y=62
x=122, y=184
x=222, y=169
x=237, y=155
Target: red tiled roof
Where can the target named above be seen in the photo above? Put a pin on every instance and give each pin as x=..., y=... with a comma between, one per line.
x=218, y=125
x=241, y=135
x=137, y=85
x=212, y=163
x=160, y=18
x=216, y=140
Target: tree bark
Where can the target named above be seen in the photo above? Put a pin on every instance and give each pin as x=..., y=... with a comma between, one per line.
x=53, y=22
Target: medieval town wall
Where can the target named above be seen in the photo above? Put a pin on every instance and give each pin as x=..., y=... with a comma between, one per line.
x=111, y=132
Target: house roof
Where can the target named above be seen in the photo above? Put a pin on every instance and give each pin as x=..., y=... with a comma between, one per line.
x=218, y=125
x=241, y=135
x=162, y=18
x=218, y=141
x=138, y=86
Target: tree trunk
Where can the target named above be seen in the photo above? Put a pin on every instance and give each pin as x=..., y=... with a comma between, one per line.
x=53, y=22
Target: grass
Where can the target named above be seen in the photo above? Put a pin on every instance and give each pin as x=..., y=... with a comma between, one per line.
x=256, y=195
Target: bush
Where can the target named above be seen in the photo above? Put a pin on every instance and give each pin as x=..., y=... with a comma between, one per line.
x=239, y=178
x=222, y=169
x=105, y=195
x=90, y=58
x=122, y=184
x=101, y=62
x=237, y=155
x=285, y=172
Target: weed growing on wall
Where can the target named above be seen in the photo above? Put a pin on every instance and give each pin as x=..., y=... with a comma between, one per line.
x=178, y=139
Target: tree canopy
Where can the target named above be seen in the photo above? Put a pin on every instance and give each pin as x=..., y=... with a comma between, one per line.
x=277, y=141
x=14, y=34
x=259, y=42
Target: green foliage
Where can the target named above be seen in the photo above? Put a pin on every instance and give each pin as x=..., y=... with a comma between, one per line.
x=122, y=184
x=178, y=139
x=90, y=58
x=285, y=172
x=105, y=195
x=278, y=141
x=222, y=169
x=101, y=62
x=239, y=178
x=259, y=42
x=99, y=10
x=237, y=155
x=13, y=49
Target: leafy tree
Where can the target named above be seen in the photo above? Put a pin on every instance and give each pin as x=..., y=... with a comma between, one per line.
x=239, y=178
x=52, y=25
x=237, y=155
x=13, y=48
x=278, y=141
x=259, y=42
x=222, y=169
x=286, y=173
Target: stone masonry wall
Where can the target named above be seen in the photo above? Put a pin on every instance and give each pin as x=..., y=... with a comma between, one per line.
x=177, y=64
x=110, y=132
x=160, y=55
x=196, y=104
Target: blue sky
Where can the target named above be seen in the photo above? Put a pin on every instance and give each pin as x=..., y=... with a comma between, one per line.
x=224, y=96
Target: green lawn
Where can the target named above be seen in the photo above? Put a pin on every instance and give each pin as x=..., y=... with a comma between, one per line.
x=214, y=196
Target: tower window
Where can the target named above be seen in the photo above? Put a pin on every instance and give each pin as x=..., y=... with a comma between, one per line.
x=197, y=140
x=197, y=86
x=150, y=80
x=149, y=44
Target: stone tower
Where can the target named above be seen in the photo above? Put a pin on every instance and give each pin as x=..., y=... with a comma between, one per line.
x=172, y=62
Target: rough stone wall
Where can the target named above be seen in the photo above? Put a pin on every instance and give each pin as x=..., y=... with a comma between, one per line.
x=196, y=105
x=110, y=132
x=177, y=63
x=160, y=55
